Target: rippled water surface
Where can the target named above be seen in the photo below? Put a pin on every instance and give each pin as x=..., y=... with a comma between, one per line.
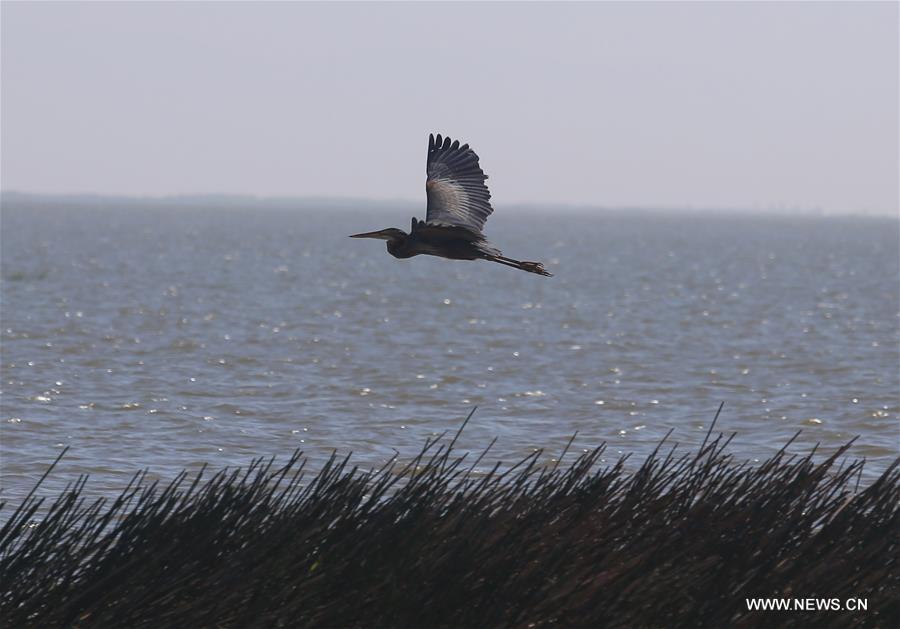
x=164, y=337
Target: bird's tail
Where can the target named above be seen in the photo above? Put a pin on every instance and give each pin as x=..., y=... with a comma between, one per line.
x=531, y=267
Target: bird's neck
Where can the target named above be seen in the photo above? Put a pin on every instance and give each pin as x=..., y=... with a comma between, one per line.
x=400, y=247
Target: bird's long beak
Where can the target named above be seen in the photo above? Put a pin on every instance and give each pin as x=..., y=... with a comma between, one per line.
x=381, y=235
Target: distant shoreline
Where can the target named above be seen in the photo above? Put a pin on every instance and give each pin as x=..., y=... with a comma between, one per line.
x=249, y=201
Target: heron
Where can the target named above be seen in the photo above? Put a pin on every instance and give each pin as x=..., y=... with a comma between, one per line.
x=459, y=203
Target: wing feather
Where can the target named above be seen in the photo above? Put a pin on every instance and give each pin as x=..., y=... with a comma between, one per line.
x=457, y=194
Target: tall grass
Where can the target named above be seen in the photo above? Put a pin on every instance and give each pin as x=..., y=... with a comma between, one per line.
x=681, y=541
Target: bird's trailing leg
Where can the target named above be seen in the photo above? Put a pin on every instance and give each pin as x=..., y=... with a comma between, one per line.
x=531, y=267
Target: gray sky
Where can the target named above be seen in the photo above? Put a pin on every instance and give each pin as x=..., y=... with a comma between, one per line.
x=766, y=105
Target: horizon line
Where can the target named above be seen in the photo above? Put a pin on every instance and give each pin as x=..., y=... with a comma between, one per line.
x=230, y=197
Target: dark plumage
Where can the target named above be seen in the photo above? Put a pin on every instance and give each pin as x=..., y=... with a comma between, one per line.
x=459, y=203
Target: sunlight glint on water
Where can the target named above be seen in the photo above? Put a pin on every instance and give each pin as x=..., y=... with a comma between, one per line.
x=168, y=337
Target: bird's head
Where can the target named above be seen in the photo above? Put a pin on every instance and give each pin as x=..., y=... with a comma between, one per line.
x=391, y=234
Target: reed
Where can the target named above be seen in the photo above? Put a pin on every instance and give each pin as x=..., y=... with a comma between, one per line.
x=682, y=540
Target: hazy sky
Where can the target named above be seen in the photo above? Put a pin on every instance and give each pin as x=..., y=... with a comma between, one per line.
x=676, y=104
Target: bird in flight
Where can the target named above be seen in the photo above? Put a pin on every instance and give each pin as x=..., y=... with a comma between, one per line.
x=458, y=205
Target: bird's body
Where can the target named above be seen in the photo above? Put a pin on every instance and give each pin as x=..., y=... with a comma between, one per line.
x=446, y=241
x=458, y=206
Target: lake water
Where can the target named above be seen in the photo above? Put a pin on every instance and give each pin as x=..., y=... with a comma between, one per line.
x=162, y=337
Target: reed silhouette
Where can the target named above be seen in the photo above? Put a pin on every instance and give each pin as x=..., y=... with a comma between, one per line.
x=682, y=540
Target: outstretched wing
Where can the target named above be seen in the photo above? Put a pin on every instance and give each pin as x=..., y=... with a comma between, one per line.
x=455, y=186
